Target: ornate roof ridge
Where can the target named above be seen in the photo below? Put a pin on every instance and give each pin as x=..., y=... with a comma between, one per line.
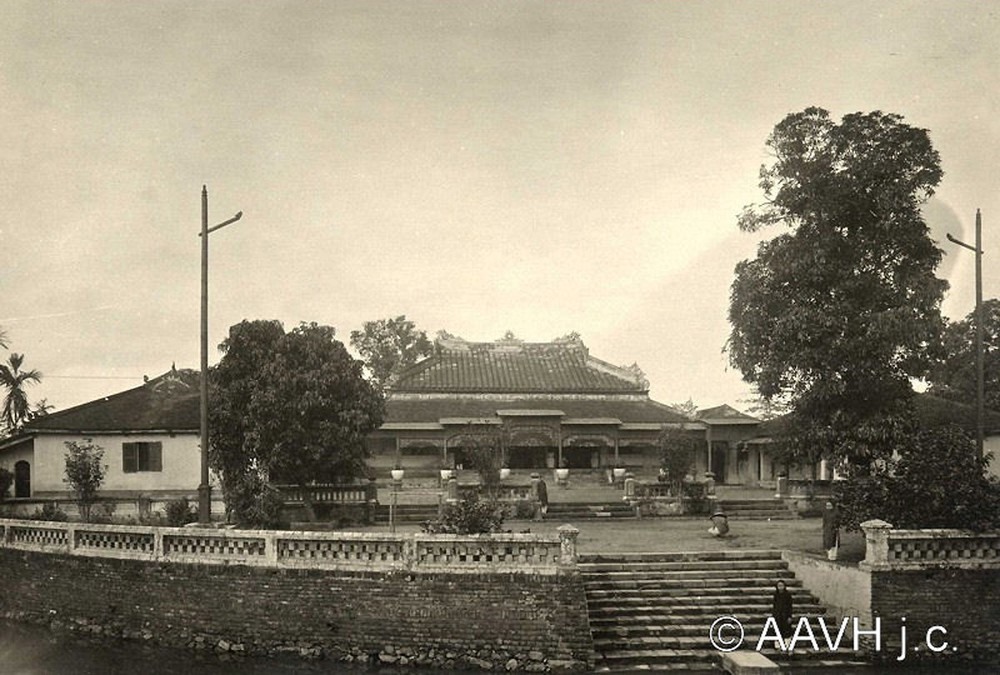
x=446, y=342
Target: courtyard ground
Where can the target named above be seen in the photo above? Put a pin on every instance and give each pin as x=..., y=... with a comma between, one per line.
x=626, y=535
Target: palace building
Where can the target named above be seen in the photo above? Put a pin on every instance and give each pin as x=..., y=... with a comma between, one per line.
x=552, y=404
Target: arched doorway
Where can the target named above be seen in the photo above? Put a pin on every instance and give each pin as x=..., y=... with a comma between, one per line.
x=22, y=479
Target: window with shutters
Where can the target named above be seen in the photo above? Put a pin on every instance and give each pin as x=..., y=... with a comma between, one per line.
x=142, y=456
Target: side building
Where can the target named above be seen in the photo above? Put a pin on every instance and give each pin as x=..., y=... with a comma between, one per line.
x=150, y=437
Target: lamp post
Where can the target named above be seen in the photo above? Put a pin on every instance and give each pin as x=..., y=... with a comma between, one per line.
x=980, y=379
x=205, y=488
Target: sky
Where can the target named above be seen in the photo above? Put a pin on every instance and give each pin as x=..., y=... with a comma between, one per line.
x=539, y=167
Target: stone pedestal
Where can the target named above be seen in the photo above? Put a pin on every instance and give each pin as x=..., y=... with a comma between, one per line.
x=748, y=663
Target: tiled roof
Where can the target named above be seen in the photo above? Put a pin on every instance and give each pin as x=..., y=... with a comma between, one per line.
x=513, y=366
x=169, y=402
x=725, y=414
x=638, y=409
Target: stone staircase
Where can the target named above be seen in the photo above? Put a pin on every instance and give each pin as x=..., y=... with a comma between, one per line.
x=407, y=513
x=653, y=611
x=571, y=511
x=756, y=509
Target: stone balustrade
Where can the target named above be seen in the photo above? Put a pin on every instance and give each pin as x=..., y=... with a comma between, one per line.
x=329, y=493
x=503, y=492
x=890, y=549
x=650, y=490
x=361, y=551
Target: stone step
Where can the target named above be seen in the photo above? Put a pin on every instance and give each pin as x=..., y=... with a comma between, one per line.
x=733, y=593
x=751, y=503
x=651, y=626
x=699, y=668
x=654, y=657
x=694, y=576
x=680, y=556
x=707, y=660
x=762, y=515
x=681, y=566
x=588, y=515
x=624, y=581
x=695, y=607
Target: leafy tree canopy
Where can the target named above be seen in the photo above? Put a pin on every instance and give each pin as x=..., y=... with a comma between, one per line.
x=836, y=315
x=288, y=408
x=955, y=377
x=937, y=482
x=390, y=345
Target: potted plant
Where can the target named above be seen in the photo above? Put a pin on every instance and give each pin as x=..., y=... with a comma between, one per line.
x=397, y=472
x=562, y=473
x=618, y=471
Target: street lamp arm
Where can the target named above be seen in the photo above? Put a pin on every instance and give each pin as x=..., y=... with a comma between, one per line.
x=239, y=214
x=961, y=243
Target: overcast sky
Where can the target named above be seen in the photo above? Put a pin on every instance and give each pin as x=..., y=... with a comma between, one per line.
x=539, y=167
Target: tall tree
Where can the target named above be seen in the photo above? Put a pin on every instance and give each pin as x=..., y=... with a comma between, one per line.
x=387, y=346
x=839, y=313
x=288, y=408
x=955, y=377
x=14, y=380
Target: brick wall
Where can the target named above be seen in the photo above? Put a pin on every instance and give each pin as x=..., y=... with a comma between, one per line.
x=966, y=602
x=513, y=621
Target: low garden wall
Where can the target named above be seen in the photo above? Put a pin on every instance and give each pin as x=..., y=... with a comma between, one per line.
x=943, y=584
x=509, y=601
x=843, y=589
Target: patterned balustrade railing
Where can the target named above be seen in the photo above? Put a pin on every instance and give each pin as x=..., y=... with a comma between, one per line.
x=507, y=553
x=504, y=493
x=653, y=490
x=889, y=549
x=330, y=494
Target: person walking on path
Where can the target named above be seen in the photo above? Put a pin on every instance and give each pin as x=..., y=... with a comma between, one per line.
x=781, y=609
x=543, y=496
x=831, y=530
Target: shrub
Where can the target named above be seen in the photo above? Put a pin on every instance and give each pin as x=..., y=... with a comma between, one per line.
x=695, y=497
x=84, y=473
x=467, y=517
x=523, y=509
x=103, y=512
x=254, y=503
x=937, y=482
x=179, y=512
x=677, y=452
x=50, y=511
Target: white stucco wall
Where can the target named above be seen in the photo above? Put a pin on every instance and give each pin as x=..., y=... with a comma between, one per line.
x=992, y=444
x=844, y=589
x=181, y=464
x=11, y=456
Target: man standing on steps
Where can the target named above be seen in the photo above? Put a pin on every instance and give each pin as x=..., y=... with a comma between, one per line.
x=831, y=530
x=543, y=496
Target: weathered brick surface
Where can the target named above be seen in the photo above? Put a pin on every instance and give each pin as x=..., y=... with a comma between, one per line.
x=516, y=621
x=966, y=602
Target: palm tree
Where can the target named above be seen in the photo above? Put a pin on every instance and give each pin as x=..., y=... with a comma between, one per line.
x=15, y=405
